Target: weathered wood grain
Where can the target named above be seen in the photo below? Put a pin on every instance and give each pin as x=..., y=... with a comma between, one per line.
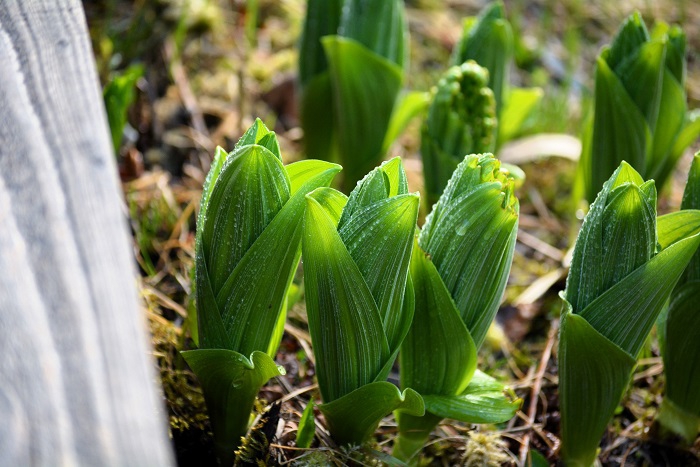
x=77, y=384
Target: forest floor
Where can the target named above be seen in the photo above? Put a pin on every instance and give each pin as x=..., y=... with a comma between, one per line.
x=210, y=70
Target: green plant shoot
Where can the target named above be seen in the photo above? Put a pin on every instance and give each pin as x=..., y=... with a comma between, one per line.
x=623, y=270
x=351, y=65
x=459, y=270
x=461, y=120
x=679, y=328
x=488, y=40
x=247, y=250
x=640, y=110
x=360, y=304
x=119, y=94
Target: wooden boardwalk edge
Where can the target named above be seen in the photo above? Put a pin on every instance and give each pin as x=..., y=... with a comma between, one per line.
x=77, y=381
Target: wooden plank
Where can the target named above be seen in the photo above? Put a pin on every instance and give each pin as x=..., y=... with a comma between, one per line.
x=77, y=383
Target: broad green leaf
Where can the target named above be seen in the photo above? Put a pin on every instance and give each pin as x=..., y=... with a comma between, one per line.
x=318, y=118
x=484, y=401
x=518, y=105
x=409, y=105
x=249, y=192
x=379, y=238
x=378, y=25
x=639, y=297
x=619, y=129
x=682, y=351
x=438, y=355
x=354, y=417
x=230, y=383
x=331, y=200
x=307, y=427
x=671, y=120
x=344, y=322
x=365, y=86
x=253, y=296
x=303, y=171
x=398, y=183
x=322, y=19
x=677, y=226
x=593, y=374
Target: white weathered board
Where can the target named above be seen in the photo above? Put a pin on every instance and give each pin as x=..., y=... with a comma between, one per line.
x=77, y=383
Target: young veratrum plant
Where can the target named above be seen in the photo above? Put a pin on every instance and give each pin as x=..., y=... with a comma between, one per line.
x=461, y=120
x=640, y=106
x=679, y=328
x=459, y=270
x=351, y=66
x=247, y=249
x=622, y=272
x=488, y=40
x=359, y=299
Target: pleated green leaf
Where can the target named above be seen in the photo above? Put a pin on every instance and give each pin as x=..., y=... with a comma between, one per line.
x=365, y=86
x=470, y=236
x=317, y=118
x=252, y=298
x=360, y=302
x=459, y=271
x=249, y=192
x=672, y=113
x=344, y=322
x=461, y=120
x=630, y=37
x=640, y=78
x=354, y=417
x=593, y=374
x=613, y=297
x=641, y=75
x=380, y=238
x=248, y=247
x=379, y=25
x=438, y=356
x=679, y=327
x=681, y=349
x=230, y=382
x=619, y=129
x=484, y=401
x=488, y=40
x=322, y=19
x=639, y=297
x=588, y=271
